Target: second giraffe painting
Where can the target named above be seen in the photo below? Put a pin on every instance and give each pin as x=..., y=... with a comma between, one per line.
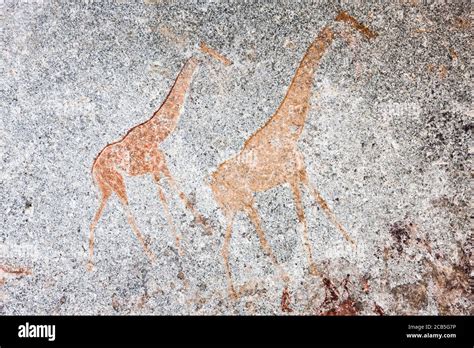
x=270, y=157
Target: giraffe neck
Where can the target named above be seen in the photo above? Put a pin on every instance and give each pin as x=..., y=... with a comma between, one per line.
x=289, y=119
x=165, y=119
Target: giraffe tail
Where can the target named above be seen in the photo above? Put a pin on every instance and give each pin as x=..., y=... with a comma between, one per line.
x=94, y=172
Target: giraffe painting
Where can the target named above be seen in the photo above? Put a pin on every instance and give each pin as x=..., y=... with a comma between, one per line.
x=270, y=158
x=138, y=153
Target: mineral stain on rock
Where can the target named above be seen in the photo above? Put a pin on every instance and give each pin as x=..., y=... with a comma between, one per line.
x=400, y=232
x=413, y=297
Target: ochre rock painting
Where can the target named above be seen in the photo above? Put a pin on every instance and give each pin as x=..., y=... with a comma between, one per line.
x=138, y=153
x=8, y=271
x=270, y=158
x=301, y=159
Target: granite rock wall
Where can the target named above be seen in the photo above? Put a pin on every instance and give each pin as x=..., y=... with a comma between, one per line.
x=387, y=141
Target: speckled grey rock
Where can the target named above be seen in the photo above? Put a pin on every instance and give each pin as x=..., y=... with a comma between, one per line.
x=387, y=141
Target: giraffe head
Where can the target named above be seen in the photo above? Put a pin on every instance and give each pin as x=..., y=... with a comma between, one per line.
x=347, y=18
x=203, y=47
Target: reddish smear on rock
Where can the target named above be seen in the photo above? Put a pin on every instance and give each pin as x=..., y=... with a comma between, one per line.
x=347, y=307
x=379, y=310
x=333, y=303
x=345, y=284
x=365, y=285
x=285, y=301
x=331, y=291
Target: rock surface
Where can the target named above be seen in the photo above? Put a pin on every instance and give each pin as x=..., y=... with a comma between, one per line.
x=387, y=141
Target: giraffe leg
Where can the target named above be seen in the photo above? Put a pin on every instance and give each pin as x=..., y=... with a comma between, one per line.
x=255, y=218
x=169, y=218
x=117, y=183
x=187, y=203
x=133, y=225
x=106, y=192
x=302, y=219
x=225, y=254
x=324, y=206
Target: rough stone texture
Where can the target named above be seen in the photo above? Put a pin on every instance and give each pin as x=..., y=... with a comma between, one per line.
x=387, y=141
